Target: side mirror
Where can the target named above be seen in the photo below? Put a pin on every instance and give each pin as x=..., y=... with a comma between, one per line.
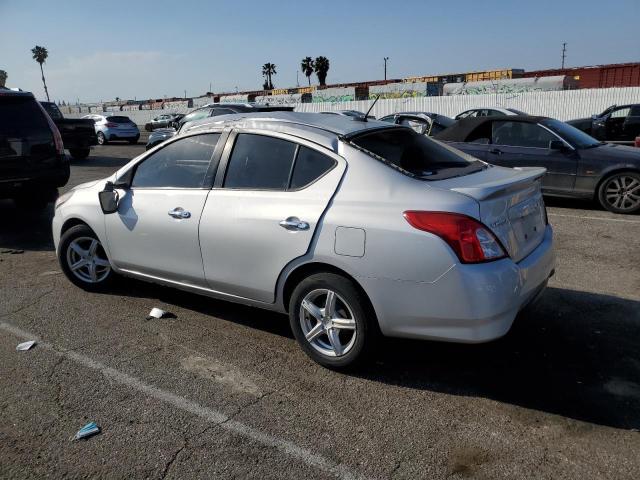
x=108, y=198
x=557, y=145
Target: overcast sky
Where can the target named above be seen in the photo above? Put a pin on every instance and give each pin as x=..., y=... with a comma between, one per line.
x=99, y=51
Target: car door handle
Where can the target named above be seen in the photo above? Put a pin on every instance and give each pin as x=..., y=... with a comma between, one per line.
x=294, y=223
x=496, y=151
x=179, y=212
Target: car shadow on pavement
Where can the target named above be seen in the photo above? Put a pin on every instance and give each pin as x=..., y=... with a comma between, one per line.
x=574, y=354
x=23, y=229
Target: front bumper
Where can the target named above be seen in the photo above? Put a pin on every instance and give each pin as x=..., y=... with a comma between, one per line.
x=467, y=304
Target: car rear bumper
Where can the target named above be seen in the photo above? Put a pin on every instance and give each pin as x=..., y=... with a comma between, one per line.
x=115, y=134
x=468, y=303
x=44, y=178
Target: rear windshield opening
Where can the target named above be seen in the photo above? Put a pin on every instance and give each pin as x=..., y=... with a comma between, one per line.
x=119, y=119
x=417, y=155
x=20, y=116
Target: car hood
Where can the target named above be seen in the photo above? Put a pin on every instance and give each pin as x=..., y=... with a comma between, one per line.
x=613, y=152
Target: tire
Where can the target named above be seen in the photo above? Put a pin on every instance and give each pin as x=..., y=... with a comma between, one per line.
x=79, y=153
x=102, y=140
x=620, y=192
x=76, y=245
x=358, y=332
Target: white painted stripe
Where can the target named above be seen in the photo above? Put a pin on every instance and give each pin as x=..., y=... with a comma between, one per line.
x=594, y=218
x=206, y=413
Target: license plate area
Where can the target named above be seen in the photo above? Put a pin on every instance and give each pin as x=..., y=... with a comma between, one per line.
x=527, y=221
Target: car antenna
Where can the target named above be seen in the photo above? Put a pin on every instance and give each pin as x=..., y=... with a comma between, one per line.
x=364, y=119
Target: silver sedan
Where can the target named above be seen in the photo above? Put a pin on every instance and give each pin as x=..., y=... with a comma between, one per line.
x=354, y=228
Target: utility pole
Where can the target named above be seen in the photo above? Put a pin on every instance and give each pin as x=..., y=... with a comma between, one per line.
x=385, y=67
x=297, y=81
x=210, y=88
x=564, y=52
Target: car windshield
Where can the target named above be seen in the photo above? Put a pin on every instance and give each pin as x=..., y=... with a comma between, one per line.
x=575, y=137
x=417, y=154
x=119, y=119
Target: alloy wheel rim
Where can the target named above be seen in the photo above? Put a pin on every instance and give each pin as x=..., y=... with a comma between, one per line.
x=100, y=138
x=87, y=260
x=328, y=323
x=623, y=192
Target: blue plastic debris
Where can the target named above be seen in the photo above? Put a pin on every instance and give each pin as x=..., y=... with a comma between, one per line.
x=88, y=430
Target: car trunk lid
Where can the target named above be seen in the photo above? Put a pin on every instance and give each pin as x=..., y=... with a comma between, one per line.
x=510, y=204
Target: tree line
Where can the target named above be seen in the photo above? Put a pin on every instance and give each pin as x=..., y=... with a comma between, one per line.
x=308, y=66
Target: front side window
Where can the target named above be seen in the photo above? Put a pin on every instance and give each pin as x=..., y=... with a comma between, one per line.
x=388, y=118
x=260, y=162
x=620, y=113
x=181, y=164
x=521, y=134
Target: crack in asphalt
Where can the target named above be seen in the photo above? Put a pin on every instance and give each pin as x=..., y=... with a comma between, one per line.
x=185, y=446
x=24, y=307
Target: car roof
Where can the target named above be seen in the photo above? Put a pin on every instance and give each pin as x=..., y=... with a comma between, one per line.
x=463, y=127
x=317, y=127
x=7, y=92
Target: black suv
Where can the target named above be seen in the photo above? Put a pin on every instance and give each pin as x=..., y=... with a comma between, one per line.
x=32, y=160
x=618, y=124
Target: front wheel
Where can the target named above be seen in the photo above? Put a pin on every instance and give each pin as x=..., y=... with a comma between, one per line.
x=332, y=321
x=102, y=140
x=83, y=259
x=620, y=193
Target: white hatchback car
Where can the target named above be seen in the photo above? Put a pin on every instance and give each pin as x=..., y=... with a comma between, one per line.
x=352, y=227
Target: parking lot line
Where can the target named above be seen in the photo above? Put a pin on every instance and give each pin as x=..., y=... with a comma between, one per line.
x=213, y=416
x=593, y=218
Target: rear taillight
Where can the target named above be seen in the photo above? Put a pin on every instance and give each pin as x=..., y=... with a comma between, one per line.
x=57, y=138
x=470, y=240
x=111, y=125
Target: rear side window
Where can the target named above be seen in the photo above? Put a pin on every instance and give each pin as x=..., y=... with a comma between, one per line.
x=21, y=116
x=181, y=164
x=310, y=165
x=52, y=110
x=260, y=162
x=116, y=119
x=417, y=154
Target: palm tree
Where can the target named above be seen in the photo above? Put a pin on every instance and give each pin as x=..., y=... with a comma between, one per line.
x=269, y=69
x=307, y=66
x=321, y=66
x=40, y=55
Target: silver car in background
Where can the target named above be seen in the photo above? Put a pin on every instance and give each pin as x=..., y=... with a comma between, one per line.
x=111, y=127
x=354, y=228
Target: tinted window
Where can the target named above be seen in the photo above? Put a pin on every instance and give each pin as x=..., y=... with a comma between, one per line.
x=198, y=114
x=620, y=113
x=417, y=154
x=52, y=110
x=260, y=162
x=390, y=119
x=575, y=137
x=635, y=111
x=20, y=116
x=223, y=111
x=116, y=119
x=181, y=164
x=521, y=134
x=310, y=165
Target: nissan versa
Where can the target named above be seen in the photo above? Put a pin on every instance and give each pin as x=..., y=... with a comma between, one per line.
x=355, y=228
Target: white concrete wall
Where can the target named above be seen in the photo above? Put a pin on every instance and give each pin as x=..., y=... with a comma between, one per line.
x=563, y=105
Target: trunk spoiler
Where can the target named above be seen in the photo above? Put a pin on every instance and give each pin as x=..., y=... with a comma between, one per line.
x=520, y=178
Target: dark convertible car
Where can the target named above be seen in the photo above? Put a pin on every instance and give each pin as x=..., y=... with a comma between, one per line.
x=577, y=164
x=618, y=123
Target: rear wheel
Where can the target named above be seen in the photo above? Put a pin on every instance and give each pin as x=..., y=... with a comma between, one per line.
x=620, y=193
x=332, y=321
x=83, y=259
x=79, y=153
x=102, y=140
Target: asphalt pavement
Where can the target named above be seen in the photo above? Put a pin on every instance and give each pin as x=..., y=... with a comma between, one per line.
x=222, y=391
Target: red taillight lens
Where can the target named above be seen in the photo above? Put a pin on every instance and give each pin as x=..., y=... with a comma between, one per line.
x=111, y=125
x=57, y=138
x=470, y=240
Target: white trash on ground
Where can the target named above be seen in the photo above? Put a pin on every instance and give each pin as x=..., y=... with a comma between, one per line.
x=88, y=430
x=25, y=345
x=156, y=313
